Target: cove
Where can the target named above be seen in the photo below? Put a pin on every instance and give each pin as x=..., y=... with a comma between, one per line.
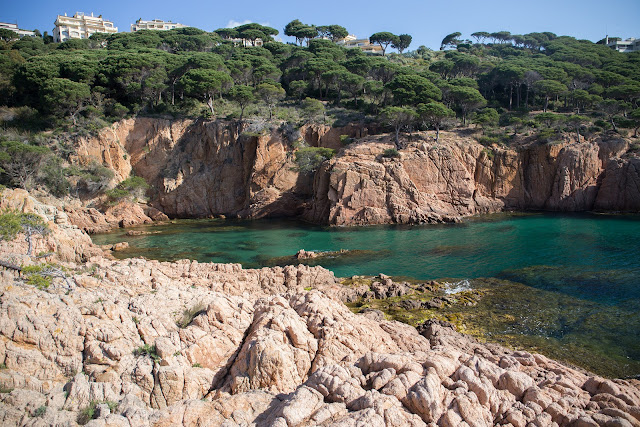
x=565, y=285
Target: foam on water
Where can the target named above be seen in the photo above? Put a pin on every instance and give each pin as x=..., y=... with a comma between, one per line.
x=454, y=288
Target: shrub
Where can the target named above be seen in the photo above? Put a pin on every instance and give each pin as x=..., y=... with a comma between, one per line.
x=488, y=140
x=40, y=411
x=345, y=139
x=147, y=350
x=546, y=135
x=309, y=159
x=391, y=153
x=41, y=275
x=53, y=176
x=132, y=187
x=89, y=413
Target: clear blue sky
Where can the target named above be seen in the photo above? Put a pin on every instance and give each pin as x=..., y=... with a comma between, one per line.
x=428, y=21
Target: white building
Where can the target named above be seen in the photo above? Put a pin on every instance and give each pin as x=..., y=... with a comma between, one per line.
x=365, y=45
x=80, y=26
x=15, y=29
x=625, y=46
x=155, y=24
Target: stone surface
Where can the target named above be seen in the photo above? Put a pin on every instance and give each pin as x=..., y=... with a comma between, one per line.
x=193, y=344
x=203, y=169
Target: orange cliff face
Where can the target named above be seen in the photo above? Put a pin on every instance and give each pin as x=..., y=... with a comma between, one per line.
x=201, y=169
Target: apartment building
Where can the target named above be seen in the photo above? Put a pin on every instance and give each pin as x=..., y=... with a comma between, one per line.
x=351, y=41
x=15, y=29
x=80, y=26
x=155, y=24
x=625, y=46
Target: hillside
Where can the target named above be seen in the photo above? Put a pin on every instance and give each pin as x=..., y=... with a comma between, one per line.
x=505, y=86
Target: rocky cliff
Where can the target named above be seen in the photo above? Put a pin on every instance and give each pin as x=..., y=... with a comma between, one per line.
x=200, y=169
x=140, y=343
x=456, y=177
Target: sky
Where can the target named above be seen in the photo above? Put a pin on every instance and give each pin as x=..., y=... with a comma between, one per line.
x=428, y=21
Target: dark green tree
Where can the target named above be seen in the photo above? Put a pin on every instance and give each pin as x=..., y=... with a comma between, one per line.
x=411, y=89
x=467, y=99
x=576, y=122
x=450, y=40
x=434, y=114
x=64, y=97
x=205, y=84
x=384, y=39
x=312, y=109
x=549, y=89
x=398, y=118
x=243, y=95
x=270, y=94
x=402, y=43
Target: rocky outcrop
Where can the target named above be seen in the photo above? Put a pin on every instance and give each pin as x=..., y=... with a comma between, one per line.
x=210, y=344
x=123, y=214
x=65, y=242
x=139, y=342
x=201, y=169
x=457, y=177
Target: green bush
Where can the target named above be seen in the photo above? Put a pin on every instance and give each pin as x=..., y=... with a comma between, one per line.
x=391, y=153
x=53, y=176
x=117, y=194
x=40, y=411
x=89, y=413
x=147, y=350
x=133, y=187
x=345, y=139
x=546, y=135
x=488, y=140
x=309, y=159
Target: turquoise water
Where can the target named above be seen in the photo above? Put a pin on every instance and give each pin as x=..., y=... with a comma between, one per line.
x=582, y=271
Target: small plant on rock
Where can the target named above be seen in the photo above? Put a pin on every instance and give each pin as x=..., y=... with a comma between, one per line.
x=41, y=275
x=133, y=188
x=391, y=153
x=309, y=159
x=147, y=350
x=40, y=411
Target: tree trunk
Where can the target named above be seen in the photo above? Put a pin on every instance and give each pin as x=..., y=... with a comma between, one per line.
x=546, y=104
x=578, y=132
x=398, y=136
x=510, y=97
x=210, y=104
x=30, y=242
x=437, y=133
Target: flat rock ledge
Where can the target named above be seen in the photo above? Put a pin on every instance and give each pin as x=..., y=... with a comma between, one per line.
x=142, y=343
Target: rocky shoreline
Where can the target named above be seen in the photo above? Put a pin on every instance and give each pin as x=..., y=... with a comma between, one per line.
x=139, y=342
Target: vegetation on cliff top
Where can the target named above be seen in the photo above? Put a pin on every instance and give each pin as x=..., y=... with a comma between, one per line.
x=496, y=82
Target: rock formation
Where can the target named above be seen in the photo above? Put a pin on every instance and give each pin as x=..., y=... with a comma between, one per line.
x=140, y=343
x=201, y=169
x=457, y=177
